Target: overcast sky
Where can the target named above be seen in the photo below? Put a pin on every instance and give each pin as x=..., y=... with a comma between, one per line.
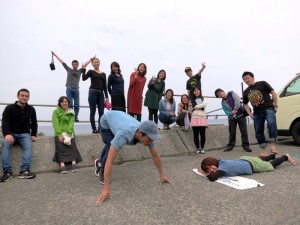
x=230, y=36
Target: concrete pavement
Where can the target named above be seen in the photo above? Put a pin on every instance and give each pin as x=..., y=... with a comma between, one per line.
x=137, y=198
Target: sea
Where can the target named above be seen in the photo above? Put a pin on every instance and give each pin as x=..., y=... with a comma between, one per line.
x=85, y=128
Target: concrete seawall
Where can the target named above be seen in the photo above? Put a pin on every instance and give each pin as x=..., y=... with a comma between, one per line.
x=174, y=142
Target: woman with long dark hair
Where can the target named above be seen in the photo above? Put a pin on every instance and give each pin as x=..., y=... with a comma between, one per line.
x=96, y=96
x=184, y=108
x=115, y=87
x=135, y=91
x=198, y=119
x=156, y=87
x=167, y=108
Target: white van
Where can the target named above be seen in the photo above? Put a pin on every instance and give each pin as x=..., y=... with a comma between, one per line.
x=288, y=112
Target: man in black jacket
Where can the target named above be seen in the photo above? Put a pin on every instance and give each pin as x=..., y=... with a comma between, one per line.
x=19, y=125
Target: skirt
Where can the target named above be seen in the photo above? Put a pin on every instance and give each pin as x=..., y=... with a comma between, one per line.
x=66, y=153
x=198, y=122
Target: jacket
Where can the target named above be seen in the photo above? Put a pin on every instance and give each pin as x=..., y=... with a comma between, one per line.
x=63, y=121
x=16, y=119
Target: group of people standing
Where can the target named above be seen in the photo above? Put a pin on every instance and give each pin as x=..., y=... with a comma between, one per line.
x=19, y=122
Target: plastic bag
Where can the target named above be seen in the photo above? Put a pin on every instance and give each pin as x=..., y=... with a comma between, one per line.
x=67, y=140
x=186, y=121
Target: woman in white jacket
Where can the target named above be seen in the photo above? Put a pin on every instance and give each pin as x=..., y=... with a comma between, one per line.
x=198, y=120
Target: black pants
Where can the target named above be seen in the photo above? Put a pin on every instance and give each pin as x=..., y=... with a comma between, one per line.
x=232, y=131
x=153, y=113
x=196, y=131
x=137, y=116
x=275, y=161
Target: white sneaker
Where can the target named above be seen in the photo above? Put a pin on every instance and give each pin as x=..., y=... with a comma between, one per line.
x=199, y=150
x=202, y=151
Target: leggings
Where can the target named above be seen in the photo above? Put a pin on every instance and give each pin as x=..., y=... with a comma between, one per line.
x=153, y=112
x=196, y=131
x=275, y=161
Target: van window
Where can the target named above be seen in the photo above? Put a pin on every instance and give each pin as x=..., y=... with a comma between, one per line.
x=293, y=88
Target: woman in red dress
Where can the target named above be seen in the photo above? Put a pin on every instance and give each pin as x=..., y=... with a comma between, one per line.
x=135, y=91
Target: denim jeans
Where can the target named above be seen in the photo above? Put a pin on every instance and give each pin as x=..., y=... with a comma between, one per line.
x=26, y=143
x=107, y=137
x=96, y=99
x=73, y=95
x=166, y=119
x=259, y=127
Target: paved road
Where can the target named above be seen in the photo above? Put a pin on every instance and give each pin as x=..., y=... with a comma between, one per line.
x=137, y=198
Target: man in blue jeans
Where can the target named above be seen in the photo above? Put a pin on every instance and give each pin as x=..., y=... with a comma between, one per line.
x=117, y=130
x=73, y=77
x=19, y=125
x=264, y=107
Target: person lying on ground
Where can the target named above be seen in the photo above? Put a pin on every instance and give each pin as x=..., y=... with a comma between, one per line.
x=213, y=168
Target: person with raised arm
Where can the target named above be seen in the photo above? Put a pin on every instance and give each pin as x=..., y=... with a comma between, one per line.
x=72, y=84
x=97, y=90
x=194, y=80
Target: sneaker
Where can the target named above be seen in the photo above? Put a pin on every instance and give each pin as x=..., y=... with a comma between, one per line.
x=98, y=165
x=74, y=168
x=63, y=170
x=76, y=120
x=101, y=177
x=95, y=131
x=5, y=177
x=199, y=150
x=26, y=175
x=202, y=151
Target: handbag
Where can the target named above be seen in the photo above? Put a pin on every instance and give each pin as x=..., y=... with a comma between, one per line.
x=52, y=66
x=107, y=105
x=186, y=121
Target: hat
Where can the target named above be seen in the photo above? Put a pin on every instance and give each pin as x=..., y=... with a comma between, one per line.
x=217, y=91
x=187, y=69
x=150, y=129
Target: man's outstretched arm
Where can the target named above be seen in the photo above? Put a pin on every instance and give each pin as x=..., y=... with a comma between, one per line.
x=201, y=70
x=58, y=58
x=112, y=154
x=158, y=164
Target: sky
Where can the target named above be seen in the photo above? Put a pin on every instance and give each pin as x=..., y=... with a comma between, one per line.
x=232, y=36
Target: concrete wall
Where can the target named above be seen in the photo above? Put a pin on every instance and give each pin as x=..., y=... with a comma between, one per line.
x=174, y=142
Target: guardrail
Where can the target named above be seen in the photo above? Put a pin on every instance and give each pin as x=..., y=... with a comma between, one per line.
x=215, y=116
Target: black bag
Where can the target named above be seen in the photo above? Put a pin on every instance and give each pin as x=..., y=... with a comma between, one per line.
x=52, y=66
x=245, y=113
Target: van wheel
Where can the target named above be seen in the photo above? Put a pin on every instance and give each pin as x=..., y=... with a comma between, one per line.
x=296, y=132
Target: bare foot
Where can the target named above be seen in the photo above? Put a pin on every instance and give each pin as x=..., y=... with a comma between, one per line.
x=263, y=153
x=290, y=159
x=274, y=151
